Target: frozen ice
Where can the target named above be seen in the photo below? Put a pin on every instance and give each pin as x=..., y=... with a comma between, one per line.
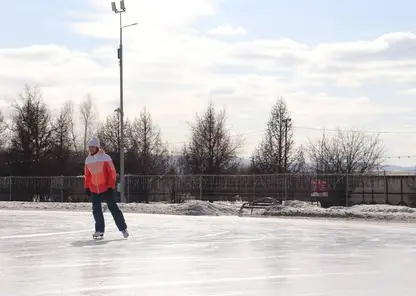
x=52, y=253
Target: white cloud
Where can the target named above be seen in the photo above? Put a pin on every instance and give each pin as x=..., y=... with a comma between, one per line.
x=411, y=91
x=227, y=30
x=174, y=69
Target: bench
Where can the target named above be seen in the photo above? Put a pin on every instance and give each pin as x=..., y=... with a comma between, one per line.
x=261, y=203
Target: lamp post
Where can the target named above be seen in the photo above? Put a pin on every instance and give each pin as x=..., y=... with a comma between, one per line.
x=286, y=121
x=121, y=109
x=118, y=129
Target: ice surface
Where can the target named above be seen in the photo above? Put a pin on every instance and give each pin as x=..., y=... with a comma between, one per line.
x=52, y=253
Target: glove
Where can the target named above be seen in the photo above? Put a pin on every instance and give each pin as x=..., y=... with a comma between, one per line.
x=88, y=192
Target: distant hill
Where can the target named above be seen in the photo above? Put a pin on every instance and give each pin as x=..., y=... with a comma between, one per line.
x=396, y=168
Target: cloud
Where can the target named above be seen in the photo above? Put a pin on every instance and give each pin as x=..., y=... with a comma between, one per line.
x=411, y=91
x=227, y=30
x=154, y=17
x=174, y=68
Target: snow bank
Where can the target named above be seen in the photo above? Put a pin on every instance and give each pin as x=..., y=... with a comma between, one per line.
x=370, y=212
x=290, y=208
x=193, y=208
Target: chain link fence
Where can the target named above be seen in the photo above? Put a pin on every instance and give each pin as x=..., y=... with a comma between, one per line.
x=343, y=189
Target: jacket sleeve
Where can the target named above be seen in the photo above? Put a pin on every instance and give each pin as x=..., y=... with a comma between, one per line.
x=111, y=174
x=87, y=178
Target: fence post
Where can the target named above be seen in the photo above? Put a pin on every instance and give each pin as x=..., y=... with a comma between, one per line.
x=254, y=187
x=62, y=188
x=50, y=189
x=128, y=188
x=286, y=186
x=176, y=196
x=347, y=186
x=372, y=191
x=200, y=187
x=10, y=188
x=402, y=203
x=386, y=195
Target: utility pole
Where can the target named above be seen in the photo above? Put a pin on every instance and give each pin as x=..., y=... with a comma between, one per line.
x=285, y=122
x=121, y=109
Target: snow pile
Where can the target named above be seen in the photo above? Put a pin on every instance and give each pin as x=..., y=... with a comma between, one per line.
x=371, y=212
x=193, y=208
x=384, y=209
x=290, y=208
x=199, y=208
x=296, y=204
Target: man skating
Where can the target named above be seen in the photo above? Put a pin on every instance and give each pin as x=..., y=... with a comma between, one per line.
x=100, y=183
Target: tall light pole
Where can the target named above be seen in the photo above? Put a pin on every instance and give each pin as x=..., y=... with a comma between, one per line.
x=121, y=109
x=286, y=121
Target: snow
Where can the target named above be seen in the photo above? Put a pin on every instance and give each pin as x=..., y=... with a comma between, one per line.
x=192, y=208
x=370, y=212
x=291, y=208
x=52, y=253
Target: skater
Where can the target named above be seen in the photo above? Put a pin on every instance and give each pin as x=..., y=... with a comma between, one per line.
x=100, y=183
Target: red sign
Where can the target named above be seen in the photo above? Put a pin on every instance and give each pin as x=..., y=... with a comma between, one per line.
x=319, y=186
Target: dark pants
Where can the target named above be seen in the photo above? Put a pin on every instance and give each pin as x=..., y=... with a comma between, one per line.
x=110, y=199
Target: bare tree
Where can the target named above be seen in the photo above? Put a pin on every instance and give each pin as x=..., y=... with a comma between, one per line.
x=88, y=116
x=63, y=143
x=61, y=131
x=4, y=141
x=350, y=151
x=31, y=131
x=299, y=164
x=276, y=151
x=3, y=132
x=109, y=134
x=68, y=109
x=146, y=151
x=342, y=159
x=211, y=149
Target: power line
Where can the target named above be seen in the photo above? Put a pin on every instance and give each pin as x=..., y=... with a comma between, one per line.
x=346, y=130
x=401, y=156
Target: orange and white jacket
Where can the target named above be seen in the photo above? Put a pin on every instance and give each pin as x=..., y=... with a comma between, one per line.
x=100, y=173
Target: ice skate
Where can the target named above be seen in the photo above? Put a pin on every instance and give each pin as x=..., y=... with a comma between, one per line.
x=98, y=235
x=125, y=233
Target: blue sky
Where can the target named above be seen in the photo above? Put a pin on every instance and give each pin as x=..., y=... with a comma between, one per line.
x=42, y=22
x=365, y=78
x=321, y=20
x=310, y=22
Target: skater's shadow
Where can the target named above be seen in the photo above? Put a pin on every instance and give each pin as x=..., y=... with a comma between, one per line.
x=89, y=243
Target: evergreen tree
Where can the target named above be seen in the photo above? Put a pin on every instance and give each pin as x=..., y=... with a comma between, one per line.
x=211, y=149
x=276, y=151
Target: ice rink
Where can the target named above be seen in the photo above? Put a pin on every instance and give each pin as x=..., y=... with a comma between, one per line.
x=52, y=253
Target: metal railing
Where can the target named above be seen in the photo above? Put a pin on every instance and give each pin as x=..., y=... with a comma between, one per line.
x=355, y=189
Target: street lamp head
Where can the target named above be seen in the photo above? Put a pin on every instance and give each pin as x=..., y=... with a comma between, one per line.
x=114, y=7
x=122, y=5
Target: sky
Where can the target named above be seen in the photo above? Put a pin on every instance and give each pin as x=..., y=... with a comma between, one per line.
x=347, y=64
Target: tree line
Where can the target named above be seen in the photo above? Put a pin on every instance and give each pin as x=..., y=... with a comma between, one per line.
x=35, y=143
